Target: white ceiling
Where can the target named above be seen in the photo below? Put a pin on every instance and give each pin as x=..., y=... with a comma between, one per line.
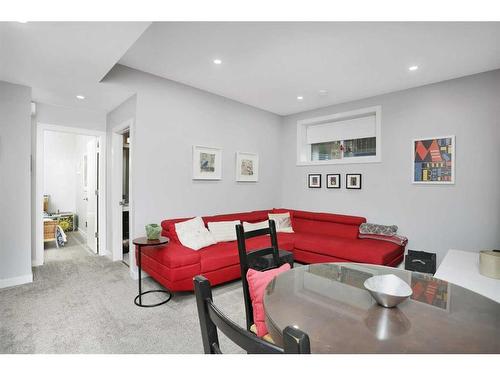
x=60, y=60
x=267, y=65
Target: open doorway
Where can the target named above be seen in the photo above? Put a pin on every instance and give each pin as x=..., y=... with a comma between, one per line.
x=125, y=197
x=121, y=192
x=69, y=181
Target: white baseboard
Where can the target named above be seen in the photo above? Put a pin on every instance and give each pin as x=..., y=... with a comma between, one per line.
x=82, y=232
x=25, y=279
x=106, y=253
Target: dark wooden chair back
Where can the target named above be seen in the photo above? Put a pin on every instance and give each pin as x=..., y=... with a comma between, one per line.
x=250, y=259
x=211, y=318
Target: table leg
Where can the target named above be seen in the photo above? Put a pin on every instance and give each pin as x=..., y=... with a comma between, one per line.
x=140, y=278
x=138, y=298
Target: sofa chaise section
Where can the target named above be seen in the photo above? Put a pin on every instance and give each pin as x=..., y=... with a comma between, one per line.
x=324, y=237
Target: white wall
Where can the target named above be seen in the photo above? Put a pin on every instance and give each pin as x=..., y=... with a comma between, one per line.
x=170, y=119
x=434, y=218
x=59, y=170
x=63, y=173
x=122, y=113
x=72, y=117
x=15, y=184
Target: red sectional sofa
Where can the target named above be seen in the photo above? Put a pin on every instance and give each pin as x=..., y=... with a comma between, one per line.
x=318, y=237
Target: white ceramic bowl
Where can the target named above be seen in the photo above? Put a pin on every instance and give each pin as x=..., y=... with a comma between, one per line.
x=388, y=290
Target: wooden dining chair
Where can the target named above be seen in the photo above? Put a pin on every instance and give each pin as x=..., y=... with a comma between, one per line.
x=261, y=260
x=211, y=318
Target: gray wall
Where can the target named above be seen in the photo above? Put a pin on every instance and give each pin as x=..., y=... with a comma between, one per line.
x=170, y=119
x=15, y=184
x=465, y=215
x=122, y=113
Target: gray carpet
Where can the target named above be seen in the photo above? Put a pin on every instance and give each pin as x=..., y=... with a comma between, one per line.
x=83, y=303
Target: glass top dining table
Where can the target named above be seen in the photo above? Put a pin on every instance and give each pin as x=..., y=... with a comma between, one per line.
x=329, y=302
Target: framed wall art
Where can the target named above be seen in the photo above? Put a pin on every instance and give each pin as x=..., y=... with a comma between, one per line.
x=434, y=160
x=314, y=181
x=333, y=181
x=207, y=163
x=247, y=167
x=353, y=181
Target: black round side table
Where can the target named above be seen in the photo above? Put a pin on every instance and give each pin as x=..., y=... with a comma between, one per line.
x=140, y=243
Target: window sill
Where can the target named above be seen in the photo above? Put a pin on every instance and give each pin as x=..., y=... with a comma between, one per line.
x=359, y=160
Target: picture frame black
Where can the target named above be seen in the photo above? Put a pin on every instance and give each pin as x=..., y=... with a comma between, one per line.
x=348, y=181
x=339, y=183
x=311, y=180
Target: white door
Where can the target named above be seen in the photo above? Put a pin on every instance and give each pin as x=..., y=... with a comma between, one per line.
x=91, y=184
x=117, y=195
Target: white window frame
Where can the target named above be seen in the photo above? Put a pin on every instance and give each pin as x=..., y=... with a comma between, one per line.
x=304, y=149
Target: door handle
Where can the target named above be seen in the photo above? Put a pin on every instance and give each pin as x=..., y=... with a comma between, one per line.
x=122, y=202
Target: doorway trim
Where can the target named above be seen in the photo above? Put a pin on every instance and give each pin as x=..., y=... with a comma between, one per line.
x=117, y=252
x=39, y=166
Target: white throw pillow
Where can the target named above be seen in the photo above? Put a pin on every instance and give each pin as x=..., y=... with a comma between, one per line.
x=255, y=226
x=283, y=222
x=223, y=231
x=193, y=234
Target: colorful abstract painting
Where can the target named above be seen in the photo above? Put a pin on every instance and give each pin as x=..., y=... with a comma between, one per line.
x=433, y=160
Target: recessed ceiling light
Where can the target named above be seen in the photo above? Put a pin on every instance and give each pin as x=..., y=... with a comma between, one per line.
x=323, y=92
x=22, y=21
x=217, y=61
x=413, y=68
x=81, y=97
x=300, y=97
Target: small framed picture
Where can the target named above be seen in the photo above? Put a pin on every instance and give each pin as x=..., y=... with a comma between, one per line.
x=247, y=167
x=353, y=181
x=314, y=181
x=207, y=163
x=333, y=181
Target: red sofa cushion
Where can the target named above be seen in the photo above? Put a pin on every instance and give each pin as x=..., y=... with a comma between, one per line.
x=251, y=217
x=153, y=267
x=225, y=254
x=356, y=250
x=172, y=255
x=172, y=233
x=334, y=218
x=220, y=255
x=327, y=224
